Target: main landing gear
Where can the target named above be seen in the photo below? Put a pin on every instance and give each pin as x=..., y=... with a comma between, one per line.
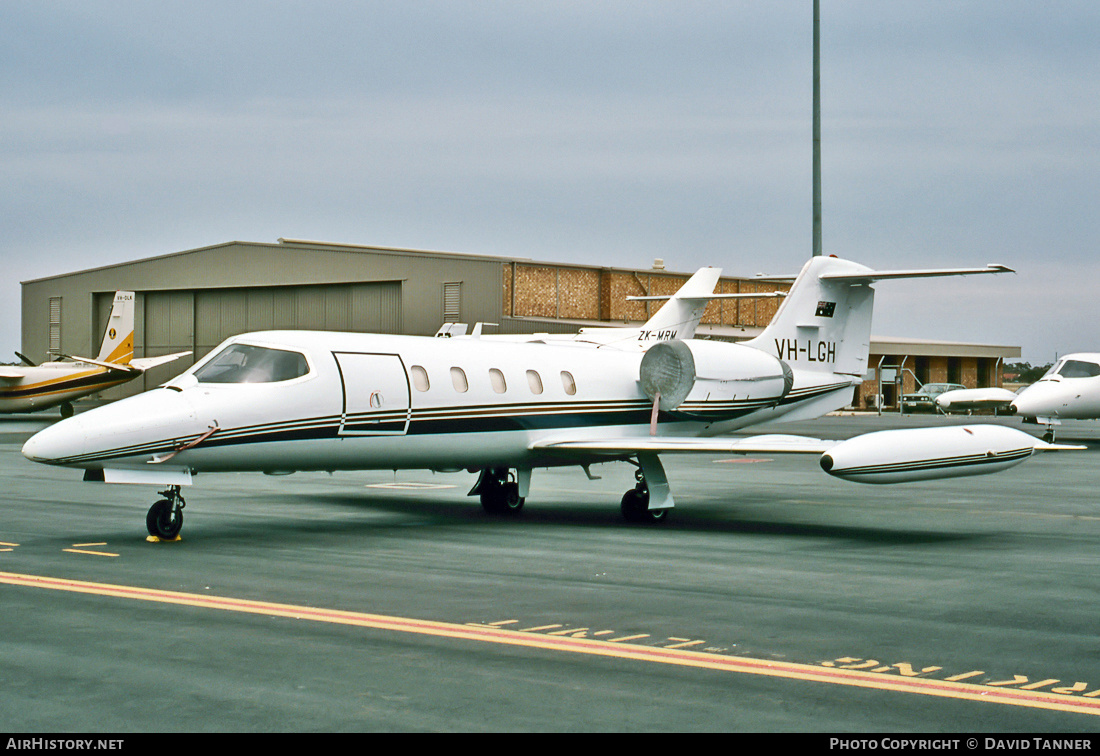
x=635, y=503
x=165, y=518
x=650, y=500
x=501, y=490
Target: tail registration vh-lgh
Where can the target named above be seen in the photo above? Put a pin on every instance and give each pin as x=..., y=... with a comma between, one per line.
x=282, y=401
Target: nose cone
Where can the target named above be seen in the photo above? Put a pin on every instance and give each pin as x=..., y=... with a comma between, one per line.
x=57, y=443
x=1042, y=399
x=132, y=428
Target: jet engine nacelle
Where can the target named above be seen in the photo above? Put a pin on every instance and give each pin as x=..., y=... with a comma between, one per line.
x=896, y=456
x=714, y=370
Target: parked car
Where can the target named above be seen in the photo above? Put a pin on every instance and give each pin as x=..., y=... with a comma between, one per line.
x=924, y=399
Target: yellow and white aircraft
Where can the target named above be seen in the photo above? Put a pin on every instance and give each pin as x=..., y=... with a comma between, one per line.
x=30, y=387
x=282, y=401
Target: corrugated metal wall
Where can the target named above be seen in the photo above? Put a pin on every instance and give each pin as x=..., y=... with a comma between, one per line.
x=179, y=321
x=221, y=313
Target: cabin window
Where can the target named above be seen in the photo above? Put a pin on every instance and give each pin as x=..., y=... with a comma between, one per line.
x=420, y=378
x=458, y=378
x=244, y=363
x=497, y=379
x=534, y=380
x=568, y=383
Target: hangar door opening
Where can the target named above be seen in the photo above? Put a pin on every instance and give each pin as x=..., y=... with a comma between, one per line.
x=377, y=399
x=198, y=320
x=359, y=307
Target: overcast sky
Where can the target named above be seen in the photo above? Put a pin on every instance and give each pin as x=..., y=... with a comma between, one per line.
x=954, y=134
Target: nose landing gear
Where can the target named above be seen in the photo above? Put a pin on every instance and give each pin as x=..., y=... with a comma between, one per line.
x=165, y=518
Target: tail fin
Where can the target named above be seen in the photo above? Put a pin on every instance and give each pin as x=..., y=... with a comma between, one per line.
x=680, y=315
x=824, y=324
x=118, y=339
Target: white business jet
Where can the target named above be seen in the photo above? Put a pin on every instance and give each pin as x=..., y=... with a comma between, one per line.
x=30, y=387
x=282, y=401
x=1070, y=390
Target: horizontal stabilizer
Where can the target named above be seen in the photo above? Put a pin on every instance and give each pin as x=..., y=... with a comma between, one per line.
x=147, y=363
x=708, y=297
x=7, y=374
x=103, y=364
x=889, y=275
x=886, y=275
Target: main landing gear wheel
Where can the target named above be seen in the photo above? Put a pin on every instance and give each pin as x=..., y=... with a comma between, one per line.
x=1049, y=436
x=499, y=495
x=635, y=504
x=165, y=518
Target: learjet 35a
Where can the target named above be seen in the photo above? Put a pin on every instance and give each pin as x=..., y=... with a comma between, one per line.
x=30, y=387
x=283, y=401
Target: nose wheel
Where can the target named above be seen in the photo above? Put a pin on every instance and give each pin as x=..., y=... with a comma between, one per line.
x=165, y=518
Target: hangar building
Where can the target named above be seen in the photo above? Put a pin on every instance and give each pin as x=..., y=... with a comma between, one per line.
x=192, y=300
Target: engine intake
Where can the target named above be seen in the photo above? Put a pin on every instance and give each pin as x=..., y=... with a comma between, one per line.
x=714, y=371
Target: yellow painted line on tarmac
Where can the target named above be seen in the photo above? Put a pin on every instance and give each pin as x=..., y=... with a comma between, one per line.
x=82, y=548
x=568, y=644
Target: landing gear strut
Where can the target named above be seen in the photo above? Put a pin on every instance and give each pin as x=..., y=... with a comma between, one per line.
x=499, y=490
x=165, y=518
x=635, y=503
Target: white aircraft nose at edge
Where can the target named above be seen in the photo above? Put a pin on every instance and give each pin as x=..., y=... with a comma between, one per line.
x=283, y=401
x=1070, y=390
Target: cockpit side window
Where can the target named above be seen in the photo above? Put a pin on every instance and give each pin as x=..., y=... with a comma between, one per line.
x=244, y=363
x=1078, y=369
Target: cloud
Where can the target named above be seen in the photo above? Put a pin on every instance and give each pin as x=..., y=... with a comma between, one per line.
x=612, y=132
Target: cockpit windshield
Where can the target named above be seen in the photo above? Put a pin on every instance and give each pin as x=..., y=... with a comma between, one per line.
x=244, y=363
x=1074, y=369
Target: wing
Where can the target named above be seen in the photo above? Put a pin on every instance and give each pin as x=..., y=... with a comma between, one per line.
x=617, y=447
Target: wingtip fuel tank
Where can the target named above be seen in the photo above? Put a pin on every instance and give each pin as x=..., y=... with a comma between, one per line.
x=897, y=456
